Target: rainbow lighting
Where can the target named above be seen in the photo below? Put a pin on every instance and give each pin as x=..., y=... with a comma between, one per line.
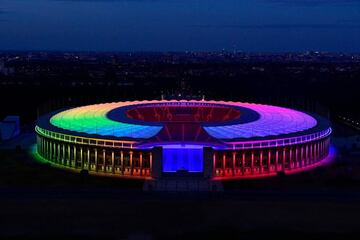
x=214, y=139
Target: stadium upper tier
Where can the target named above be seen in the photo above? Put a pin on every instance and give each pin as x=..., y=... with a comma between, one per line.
x=203, y=121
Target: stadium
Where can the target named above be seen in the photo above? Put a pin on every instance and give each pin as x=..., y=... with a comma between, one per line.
x=214, y=140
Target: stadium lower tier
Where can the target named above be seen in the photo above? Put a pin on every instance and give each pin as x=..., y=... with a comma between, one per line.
x=269, y=161
x=127, y=161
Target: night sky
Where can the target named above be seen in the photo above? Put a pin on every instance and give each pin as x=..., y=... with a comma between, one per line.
x=178, y=25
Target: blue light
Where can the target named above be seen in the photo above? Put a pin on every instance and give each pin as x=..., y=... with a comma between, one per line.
x=182, y=157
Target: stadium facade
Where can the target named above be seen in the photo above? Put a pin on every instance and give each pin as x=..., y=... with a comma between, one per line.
x=213, y=139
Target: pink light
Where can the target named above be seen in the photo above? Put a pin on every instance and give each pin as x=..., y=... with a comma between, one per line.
x=273, y=121
x=324, y=162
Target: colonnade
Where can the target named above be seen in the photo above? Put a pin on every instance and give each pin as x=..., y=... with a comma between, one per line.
x=139, y=162
x=120, y=161
x=269, y=160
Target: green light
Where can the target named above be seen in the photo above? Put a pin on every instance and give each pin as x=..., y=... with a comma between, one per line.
x=92, y=119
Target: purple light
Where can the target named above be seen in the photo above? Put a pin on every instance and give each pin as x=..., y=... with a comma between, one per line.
x=273, y=121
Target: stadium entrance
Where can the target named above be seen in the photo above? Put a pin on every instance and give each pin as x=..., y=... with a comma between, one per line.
x=182, y=158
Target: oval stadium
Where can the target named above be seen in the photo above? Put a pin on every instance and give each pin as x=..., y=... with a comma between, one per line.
x=216, y=140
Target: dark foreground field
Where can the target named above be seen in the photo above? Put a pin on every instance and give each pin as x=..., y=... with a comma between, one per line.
x=40, y=202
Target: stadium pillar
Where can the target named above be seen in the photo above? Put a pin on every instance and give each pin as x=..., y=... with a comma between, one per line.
x=55, y=151
x=321, y=149
x=261, y=161
x=104, y=160
x=302, y=156
x=47, y=153
x=38, y=144
x=252, y=162
x=314, y=153
x=40, y=147
x=141, y=161
x=112, y=162
x=290, y=158
x=224, y=163
x=276, y=160
x=150, y=162
x=131, y=163
x=88, y=159
x=243, y=163
x=311, y=153
x=75, y=160
x=50, y=151
x=63, y=156
x=68, y=162
x=318, y=150
x=44, y=147
x=214, y=164
x=283, y=159
x=269, y=160
x=122, y=162
x=81, y=158
x=96, y=160
x=58, y=152
x=233, y=163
